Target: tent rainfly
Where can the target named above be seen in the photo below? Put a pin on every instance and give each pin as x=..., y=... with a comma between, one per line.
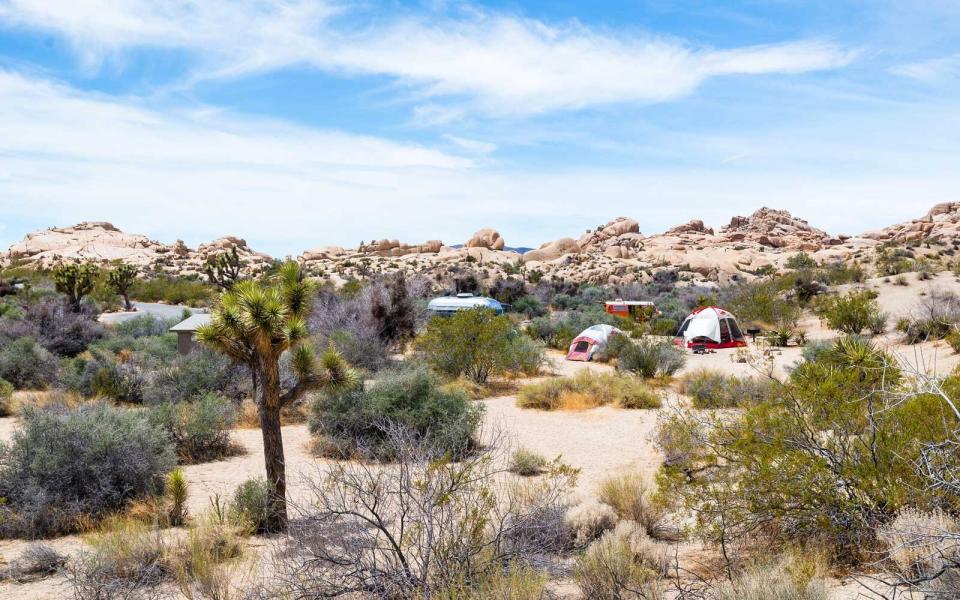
x=711, y=326
x=590, y=340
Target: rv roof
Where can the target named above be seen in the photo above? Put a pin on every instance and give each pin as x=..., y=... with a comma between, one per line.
x=630, y=302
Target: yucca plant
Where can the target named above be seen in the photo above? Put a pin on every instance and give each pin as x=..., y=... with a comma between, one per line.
x=255, y=323
x=176, y=490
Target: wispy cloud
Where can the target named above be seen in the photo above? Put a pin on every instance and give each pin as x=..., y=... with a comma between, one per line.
x=489, y=62
x=936, y=70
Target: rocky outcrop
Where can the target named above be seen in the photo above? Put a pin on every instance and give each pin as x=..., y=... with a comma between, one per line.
x=395, y=248
x=775, y=229
x=694, y=226
x=620, y=238
x=486, y=238
x=942, y=222
x=101, y=242
x=552, y=250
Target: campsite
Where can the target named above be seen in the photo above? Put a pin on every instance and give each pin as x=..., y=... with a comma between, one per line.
x=589, y=402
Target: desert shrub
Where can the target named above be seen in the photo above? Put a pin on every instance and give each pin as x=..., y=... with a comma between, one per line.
x=526, y=462
x=801, y=261
x=27, y=365
x=523, y=355
x=851, y=313
x=143, y=326
x=52, y=323
x=953, y=339
x=509, y=290
x=6, y=393
x=475, y=343
x=784, y=462
x=764, y=304
x=713, y=389
x=777, y=581
x=933, y=317
x=630, y=496
x=664, y=327
x=200, y=428
x=173, y=290
x=460, y=523
x=588, y=390
x=190, y=376
x=529, y=306
x=356, y=420
x=588, y=521
x=651, y=358
x=623, y=563
x=37, y=561
x=250, y=507
x=65, y=465
x=364, y=352
x=923, y=550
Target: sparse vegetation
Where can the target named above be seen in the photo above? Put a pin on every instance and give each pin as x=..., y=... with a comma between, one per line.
x=712, y=389
x=527, y=463
x=650, y=358
x=200, y=428
x=852, y=313
x=588, y=390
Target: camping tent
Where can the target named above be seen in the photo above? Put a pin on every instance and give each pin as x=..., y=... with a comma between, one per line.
x=712, y=327
x=591, y=339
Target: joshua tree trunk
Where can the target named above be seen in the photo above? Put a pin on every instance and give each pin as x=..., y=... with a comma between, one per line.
x=267, y=389
x=126, y=301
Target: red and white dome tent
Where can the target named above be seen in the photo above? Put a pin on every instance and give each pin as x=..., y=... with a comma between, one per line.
x=590, y=340
x=711, y=326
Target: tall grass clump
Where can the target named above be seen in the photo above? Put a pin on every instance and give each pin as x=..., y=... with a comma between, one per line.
x=588, y=390
x=68, y=467
x=623, y=563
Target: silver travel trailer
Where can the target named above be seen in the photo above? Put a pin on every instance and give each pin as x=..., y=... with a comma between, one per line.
x=447, y=305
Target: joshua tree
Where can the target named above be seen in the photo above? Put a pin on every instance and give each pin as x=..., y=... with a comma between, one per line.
x=121, y=280
x=254, y=323
x=76, y=281
x=224, y=270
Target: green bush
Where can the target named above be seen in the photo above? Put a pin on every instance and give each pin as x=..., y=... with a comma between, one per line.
x=650, y=358
x=475, y=343
x=822, y=460
x=200, y=428
x=26, y=365
x=357, y=420
x=66, y=466
x=623, y=563
x=588, y=390
x=801, y=261
x=250, y=507
x=523, y=355
x=852, y=313
x=953, y=339
x=527, y=463
x=713, y=389
x=6, y=393
x=189, y=292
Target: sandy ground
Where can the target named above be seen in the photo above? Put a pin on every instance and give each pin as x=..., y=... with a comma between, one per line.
x=599, y=441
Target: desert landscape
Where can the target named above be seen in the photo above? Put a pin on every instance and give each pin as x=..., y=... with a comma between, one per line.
x=596, y=440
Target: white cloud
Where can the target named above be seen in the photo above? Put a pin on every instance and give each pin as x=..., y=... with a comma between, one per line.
x=931, y=71
x=497, y=64
x=470, y=145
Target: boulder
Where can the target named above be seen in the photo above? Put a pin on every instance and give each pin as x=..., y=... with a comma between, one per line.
x=552, y=250
x=486, y=238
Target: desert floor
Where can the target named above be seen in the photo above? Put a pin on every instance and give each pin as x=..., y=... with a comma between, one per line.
x=600, y=441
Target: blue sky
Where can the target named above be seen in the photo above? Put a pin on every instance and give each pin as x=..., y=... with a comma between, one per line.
x=304, y=123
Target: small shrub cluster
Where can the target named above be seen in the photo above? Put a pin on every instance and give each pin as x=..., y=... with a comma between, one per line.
x=478, y=344
x=852, y=313
x=713, y=389
x=630, y=497
x=199, y=429
x=934, y=317
x=623, y=563
x=65, y=467
x=650, y=358
x=356, y=420
x=27, y=365
x=527, y=463
x=588, y=390
x=781, y=580
x=173, y=290
x=6, y=394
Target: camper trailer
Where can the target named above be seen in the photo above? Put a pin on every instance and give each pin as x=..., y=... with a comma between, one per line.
x=445, y=306
x=638, y=310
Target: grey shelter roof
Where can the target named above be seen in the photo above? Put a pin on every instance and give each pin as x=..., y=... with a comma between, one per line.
x=192, y=323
